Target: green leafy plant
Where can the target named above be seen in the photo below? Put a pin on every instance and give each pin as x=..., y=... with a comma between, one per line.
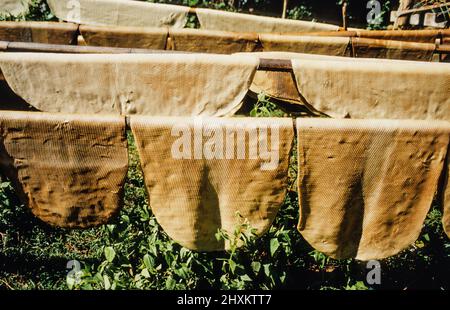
x=301, y=12
x=265, y=108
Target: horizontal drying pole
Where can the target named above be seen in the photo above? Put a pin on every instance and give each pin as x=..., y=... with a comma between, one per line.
x=282, y=65
x=279, y=65
x=7, y=46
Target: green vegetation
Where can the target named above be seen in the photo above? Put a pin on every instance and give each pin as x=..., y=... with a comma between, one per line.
x=134, y=252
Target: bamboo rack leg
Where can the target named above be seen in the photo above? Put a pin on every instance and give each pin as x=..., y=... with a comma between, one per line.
x=285, y=4
x=344, y=15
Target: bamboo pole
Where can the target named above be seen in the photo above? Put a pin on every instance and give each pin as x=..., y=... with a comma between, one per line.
x=344, y=15
x=279, y=65
x=73, y=49
x=77, y=49
x=285, y=4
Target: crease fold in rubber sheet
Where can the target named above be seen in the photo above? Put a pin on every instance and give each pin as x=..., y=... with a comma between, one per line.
x=333, y=46
x=230, y=21
x=223, y=167
x=146, y=84
x=39, y=32
x=374, y=88
x=365, y=186
x=69, y=169
x=120, y=13
x=129, y=37
x=14, y=7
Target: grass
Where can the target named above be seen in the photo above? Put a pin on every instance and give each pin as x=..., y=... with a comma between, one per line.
x=133, y=252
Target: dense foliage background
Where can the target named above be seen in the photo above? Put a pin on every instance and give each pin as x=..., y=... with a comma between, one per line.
x=134, y=252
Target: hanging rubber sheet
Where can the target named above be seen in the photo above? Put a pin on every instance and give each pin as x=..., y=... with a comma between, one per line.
x=129, y=37
x=200, y=171
x=365, y=186
x=236, y=22
x=390, y=49
x=69, y=169
x=333, y=46
x=282, y=84
x=38, y=32
x=14, y=7
x=149, y=84
x=188, y=40
x=423, y=36
x=120, y=13
x=207, y=41
x=369, y=88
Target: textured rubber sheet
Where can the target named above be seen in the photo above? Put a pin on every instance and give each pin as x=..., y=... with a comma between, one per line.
x=68, y=169
x=122, y=36
x=119, y=13
x=238, y=22
x=282, y=85
x=372, y=88
x=365, y=186
x=200, y=171
x=409, y=45
x=333, y=46
x=423, y=36
x=38, y=32
x=14, y=7
x=344, y=87
x=207, y=41
x=187, y=40
x=148, y=84
x=338, y=45
x=391, y=49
